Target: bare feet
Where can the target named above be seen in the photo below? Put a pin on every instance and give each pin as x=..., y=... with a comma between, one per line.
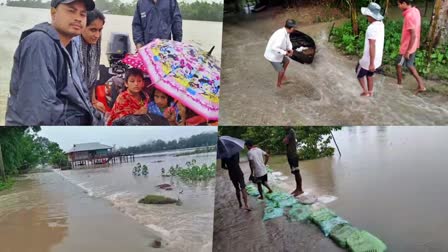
x=294, y=192
x=261, y=198
x=367, y=94
x=270, y=191
x=297, y=193
x=247, y=209
x=279, y=85
x=420, y=90
x=399, y=85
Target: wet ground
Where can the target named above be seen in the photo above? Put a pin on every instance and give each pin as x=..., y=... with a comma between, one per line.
x=390, y=181
x=323, y=93
x=113, y=189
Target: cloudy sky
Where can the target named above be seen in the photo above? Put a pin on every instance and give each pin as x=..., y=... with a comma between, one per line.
x=121, y=136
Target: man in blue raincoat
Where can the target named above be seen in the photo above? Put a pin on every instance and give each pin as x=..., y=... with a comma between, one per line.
x=156, y=19
x=46, y=88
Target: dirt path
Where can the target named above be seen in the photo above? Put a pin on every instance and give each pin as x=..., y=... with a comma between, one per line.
x=248, y=232
x=324, y=93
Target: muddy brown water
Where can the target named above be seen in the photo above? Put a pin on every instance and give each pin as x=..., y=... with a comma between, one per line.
x=113, y=189
x=323, y=93
x=390, y=181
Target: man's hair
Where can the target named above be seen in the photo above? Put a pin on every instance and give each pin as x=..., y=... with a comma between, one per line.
x=94, y=15
x=133, y=72
x=290, y=23
x=249, y=143
x=408, y=2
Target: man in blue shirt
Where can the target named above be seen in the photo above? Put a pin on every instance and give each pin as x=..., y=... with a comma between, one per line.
x=156, y=19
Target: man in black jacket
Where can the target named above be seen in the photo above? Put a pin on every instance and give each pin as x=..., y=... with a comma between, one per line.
x=46, y=88
x=232, y=164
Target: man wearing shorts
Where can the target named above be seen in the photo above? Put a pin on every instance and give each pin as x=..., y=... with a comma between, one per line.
x=410, y=42
x=258, y=166
x=293, y=158
x=280, y=46
x=232, y=164
x=373, y=48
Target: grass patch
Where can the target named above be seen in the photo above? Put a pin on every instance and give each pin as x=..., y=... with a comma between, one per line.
x=429, y=66
x=193, y=172
x=157, y=199
x=6, y=185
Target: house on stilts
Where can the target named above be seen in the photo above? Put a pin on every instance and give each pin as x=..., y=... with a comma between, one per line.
x=95, y=154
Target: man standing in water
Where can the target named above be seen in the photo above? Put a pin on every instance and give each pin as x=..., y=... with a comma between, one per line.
x=46, y=88
x=410, y=42
x=258, y=167
x=156, y=19
x=293, y=158
x=280, y=46
x=373, y=48
x=232, y=164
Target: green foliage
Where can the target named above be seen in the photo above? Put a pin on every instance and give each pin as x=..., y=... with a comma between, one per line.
x=343, y=39
x=19, y=149
x=193, y=172
x=313, y=141
x=6, y=185
x=201, y=140
x=157, y=199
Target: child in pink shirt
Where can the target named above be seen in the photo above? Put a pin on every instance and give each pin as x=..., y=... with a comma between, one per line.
x=410, y=42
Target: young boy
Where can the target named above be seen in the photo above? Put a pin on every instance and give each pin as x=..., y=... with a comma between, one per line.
x=258, y=166
x=373, y=48
x=133, y=101
x=410, y=42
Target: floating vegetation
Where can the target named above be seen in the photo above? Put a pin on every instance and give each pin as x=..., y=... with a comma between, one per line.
x=193, y=172
x=140, y=170
x=157, y=199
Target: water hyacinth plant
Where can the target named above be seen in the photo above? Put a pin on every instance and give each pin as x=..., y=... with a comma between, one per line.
x=140, y=170
x=194, y=172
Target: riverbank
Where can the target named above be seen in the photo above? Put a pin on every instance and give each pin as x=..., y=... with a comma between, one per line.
x=7, y=184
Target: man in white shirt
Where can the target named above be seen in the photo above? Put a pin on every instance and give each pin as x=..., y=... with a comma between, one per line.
x=373, y=48
x=280, y=46
x=258, y=167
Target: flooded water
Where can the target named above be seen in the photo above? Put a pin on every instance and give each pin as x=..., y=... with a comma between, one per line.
x=390, y=181
x=185, y=227
x=323, y=93
x=14, y=20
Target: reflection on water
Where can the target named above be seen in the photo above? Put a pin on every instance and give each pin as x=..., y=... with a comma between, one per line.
x=188, y=226
x=390, y=181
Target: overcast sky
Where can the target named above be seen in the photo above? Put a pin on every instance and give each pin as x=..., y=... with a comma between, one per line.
x=121, y=136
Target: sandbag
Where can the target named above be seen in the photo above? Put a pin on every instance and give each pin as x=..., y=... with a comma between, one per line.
x=146, y=119
x=252, y=190
x=321, y=215
x=363, y=241
x=327, y=226
x=299, y=212
x=340, y=234
x=272, y=212
x=281, y=199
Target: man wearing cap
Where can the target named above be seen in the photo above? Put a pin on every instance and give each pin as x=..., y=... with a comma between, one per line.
x=410, y=42
x=156, y=19
x=46, y=87
x=373, y=48
x=280, y=46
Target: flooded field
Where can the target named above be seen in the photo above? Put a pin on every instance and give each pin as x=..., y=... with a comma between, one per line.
x=390, y=181
x=180, y=227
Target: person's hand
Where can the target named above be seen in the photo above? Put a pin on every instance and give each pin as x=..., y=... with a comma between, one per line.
x=406, y=55
x=100, y=106
x=170, y=114
x=289, y=53
x=143, y=110
x=182, y=112
x=372, y=68
x=138, y=46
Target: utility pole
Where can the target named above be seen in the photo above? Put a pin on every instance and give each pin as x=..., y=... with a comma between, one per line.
x=2, y=168
x=334, y=139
